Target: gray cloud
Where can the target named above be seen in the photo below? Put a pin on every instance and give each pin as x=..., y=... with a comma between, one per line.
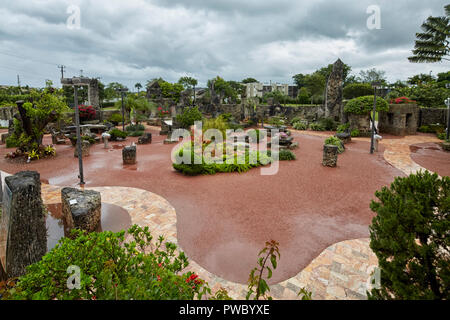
x=139, y=40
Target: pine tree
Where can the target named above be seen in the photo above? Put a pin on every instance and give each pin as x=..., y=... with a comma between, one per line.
x=411, y=237
x=432, y=45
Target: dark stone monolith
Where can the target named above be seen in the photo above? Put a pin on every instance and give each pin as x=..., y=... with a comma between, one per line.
x=23, y=233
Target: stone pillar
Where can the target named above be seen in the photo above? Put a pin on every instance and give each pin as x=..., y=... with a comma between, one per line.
x=81, y=209
x=85, y=145
x=145, y=139
x=129, y=154
x=23, y=234
x=330, y=155
x=345, y=137
x=333, y=99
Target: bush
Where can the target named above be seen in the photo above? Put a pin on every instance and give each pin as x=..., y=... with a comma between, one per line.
x=410, y=236
x=276, y=121
x=300, y=126
x=343, y=128
x=12, y=142
x=317, y=127
x=241, y=163
x=135, y=127
x=335, y=141
x=295, y=120
x=356, y=90
x=425, y=129
x=115, y=119
x=286, y=155
x=135, y=133
x=111, y=269
x=402, y=100
x=328, y=123
x=442, y=136
x=364, y=105
x=116, y=133
x=188, y=117
x=355, y=133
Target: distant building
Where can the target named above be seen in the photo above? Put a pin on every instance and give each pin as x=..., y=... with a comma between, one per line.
x=258, y=89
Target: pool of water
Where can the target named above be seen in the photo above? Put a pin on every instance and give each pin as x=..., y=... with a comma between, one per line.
x=113, y=218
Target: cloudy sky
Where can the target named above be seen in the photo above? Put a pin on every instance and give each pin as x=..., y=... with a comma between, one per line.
x=136, y=40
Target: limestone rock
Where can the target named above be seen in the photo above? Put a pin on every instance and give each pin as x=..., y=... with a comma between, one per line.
x=146, y=138
x=129, y=154
x=330, y=155
x=85, y=145
x=81, y=209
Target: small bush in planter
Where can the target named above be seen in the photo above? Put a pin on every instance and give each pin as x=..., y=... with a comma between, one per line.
x=115, y=118
x=135, y=133
x=116, y=133
x=335, y=141
x=343, y=128
x=286, y=155
x=135, y=127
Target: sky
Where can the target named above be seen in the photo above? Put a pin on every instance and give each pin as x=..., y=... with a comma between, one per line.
x=137, y=40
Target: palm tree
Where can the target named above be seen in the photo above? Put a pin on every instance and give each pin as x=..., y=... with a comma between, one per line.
x=432, y=45
x=138, y=86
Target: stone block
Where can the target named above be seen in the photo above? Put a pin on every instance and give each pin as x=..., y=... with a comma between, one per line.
x=23, y=233
x=344, y=137
x=330, y=155
x=85, y=145
x=293, y=146
x=81, y=209
x=146, y=138
x=446, y=146
x=129, y=154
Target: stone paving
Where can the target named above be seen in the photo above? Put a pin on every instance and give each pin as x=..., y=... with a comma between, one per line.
x=340, y=272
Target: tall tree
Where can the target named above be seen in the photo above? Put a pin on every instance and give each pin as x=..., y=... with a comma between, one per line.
x=371, y=75
x=249, y=80
x=138, y=86
x=432, y=44
x=188, y=82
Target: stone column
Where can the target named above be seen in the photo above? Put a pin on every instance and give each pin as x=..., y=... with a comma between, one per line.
x=333, y=97
x=85, y=145
x=129, y=154
x=23, y=233
x=81, y=209
x=330, y=155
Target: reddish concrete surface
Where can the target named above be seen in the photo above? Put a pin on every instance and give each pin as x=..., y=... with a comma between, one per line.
x=432, y=157
x=224, y=220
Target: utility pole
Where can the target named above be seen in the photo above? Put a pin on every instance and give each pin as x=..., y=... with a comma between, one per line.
x=375, y=86
x=18, y=81
x=81, y=73
x=63, y=68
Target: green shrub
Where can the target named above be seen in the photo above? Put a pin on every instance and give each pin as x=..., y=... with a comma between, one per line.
x=188, y=117
x=356, y=90
x=300, y=126
x=335, y=141
x=442, y=136
x=135, y=133
x=296, y=120
x=355, y=133
x=317, y=127
x=116, y=133
x=410, y=237
x=115, y=118
x=364, y=105
x=276, y=121
x=343, y=128
x=12, y=142
x=286, y=155
x=111, y=269
x=425, y=129
x=328, y=123
x=135, y=127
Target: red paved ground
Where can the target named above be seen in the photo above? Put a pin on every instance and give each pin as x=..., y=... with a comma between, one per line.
x=225, y=219
x=432, y=157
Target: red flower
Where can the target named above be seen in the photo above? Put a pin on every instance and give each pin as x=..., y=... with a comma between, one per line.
x=159, y=278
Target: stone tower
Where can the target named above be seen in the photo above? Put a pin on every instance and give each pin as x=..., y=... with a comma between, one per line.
x=333, y=102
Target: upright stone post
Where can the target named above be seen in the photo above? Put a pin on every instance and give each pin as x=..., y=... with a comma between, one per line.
x=23, y=233
x=334, y=107
x=330, y=155
x=129, y=154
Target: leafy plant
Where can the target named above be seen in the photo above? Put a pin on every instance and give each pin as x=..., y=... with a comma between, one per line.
x=335, y=141
x=49, y=151
x=343, y=128
x=115, y=118
x=300, y=126
x=364, y=105
x=355, y=133
x=188, y=117
x=328, y=123
x=257, y=285
x=116, y=133
x=356, y=90
x=410, y=236
x=286, y=155
x=315, y=126
x=135, y=133
x=111, y=269
x=135, y=127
